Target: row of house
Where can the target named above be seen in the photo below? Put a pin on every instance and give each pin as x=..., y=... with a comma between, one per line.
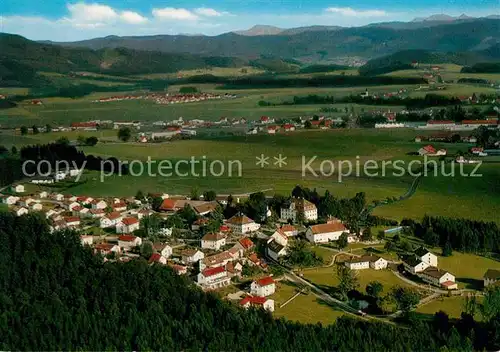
x=423, y=263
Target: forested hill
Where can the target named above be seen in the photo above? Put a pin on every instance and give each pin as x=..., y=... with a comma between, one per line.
x=20, y=57
x=367, y=42
x=402, y=60
x=56, y=295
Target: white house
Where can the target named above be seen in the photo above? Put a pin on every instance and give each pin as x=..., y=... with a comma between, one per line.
x=10, y=200
x=157, y=258
x=263, y=287
x=36, y=206
x=43, y=194
x=378, y=263
x=323, y=233
x=106, y=248
x=119, y=207
x=299, y=206
x=164, y=249
x=426, y=256
x=213, y=241
x=437, y=277
x=87, y=240
x=72, y=221
x=127, y=225
x=275, y=250
x=365, y=262
x=491, y=277
x=96, y=213
x=20, y=211
x=241, y=224
x=279, y=237
x=191, y=256
x=110, y=220
x=73, y=205
x=212, y=278
x=98, y=204
x=258, y=302
x=59, y=176
x=289, y=230
x=128, y=241
x=413, y=264
x=18, y=188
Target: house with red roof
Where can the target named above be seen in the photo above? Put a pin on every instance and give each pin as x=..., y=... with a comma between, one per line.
x=258, y=302
x=288, y=127
x=127, y=225
x=87, y=240
x=72, y=221
x=106, y=248
x=266, y=120
x=213, y=278
x=157, y=258
x=126, y=242
x=428, y=149
x=119, y=207
x=98, y=204
x=110, y=220
x=178, y=269
x=272, y=129
x=263, y=287
x=245, y=243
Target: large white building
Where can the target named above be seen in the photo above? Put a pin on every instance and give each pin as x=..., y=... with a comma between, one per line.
x=437, y=277
x=213, y=241
x=263, y=287
x=212, y=278
x=323, y=233
x=241, y=224
x=299, y=206
x=127, y=225
x=365, y=262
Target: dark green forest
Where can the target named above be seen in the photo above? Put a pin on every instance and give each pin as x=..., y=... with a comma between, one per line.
x=57, y=295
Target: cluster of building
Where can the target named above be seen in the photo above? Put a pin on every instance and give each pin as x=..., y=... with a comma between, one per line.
x=186, y=98
x=424, y=264
x=430, y=150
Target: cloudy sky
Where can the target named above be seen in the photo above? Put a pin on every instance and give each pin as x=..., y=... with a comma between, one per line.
x=60, y=20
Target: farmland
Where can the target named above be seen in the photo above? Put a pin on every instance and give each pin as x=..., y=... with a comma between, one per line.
x=473, y=197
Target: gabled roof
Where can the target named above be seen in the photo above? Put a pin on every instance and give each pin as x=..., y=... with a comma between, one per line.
x=246, y=242
x=168, y=204
x=127, y=238
x=213, y=271
x=155, y=258
x=411, y=260
x=421, y=251
x=275, y=246
x=213, y=237
x=240, y=219
x=288, y=228
x=71, y=219
x=492, y=274
x=265, y=281
x=255, y=300
x=113, y=215
x=189, y=252
x=129, y=221
x=434, y=272
x=325, y=228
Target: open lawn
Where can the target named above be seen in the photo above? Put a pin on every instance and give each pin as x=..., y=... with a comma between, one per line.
x=58, y=111
x=453, y=306
x=327, y=277
x=306, y=308
x=467, y=268
x=459, y=196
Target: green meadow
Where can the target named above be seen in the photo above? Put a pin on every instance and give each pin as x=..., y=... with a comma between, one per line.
x=309, y=158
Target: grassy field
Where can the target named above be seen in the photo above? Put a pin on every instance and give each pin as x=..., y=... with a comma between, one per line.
x=306, y=308
x=467, y=268
x=327, y=277
x=449, y=72
x=473, y=197
x=453, y=306
x=64, y=110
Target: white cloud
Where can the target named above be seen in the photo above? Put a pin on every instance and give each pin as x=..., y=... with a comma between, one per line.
x=348, y=11
x=132, y=17
x=92, y=13
x=171, y=13
x=208, y=12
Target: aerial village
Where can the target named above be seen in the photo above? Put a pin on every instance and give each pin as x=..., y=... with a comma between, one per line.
x=239, y=250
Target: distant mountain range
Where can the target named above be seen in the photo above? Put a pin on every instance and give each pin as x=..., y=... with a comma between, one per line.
x=320, y=43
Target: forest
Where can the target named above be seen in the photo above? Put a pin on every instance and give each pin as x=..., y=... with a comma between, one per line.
x=57, y=295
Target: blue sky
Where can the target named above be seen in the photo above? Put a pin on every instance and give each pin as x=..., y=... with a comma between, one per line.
x=76, y=20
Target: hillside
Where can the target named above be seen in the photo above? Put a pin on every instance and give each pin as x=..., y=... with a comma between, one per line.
x=402, y=60
x=20, y=59
x=367, y=42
